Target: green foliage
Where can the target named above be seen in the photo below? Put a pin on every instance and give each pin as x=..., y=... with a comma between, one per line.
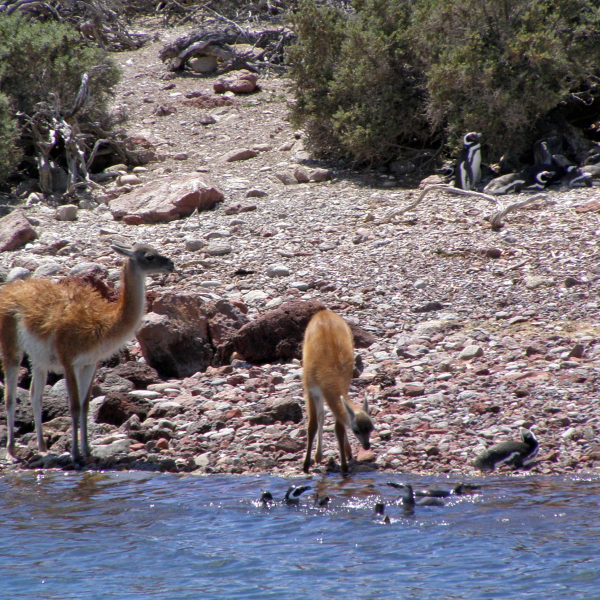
x=393, y=72
x=9, y=155
x=45, y=62
x=41, y=59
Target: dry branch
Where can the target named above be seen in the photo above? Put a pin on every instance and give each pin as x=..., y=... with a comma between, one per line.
x=496, y=218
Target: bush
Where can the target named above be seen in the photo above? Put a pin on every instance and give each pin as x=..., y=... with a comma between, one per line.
x=391, y=73
x=45, y=63
x=9, y=154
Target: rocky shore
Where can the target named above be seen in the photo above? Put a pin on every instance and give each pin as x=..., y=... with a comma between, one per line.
x=475, y=332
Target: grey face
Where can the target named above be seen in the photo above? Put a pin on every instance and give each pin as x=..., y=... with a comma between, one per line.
x=146, y=258
x=362, y=427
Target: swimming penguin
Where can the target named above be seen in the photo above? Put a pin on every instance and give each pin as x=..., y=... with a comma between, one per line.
x=379, y=508
x=465, y=488
x=408, y=496
x=322, y=501
x=266, y=497
x=467, y=171
x=292, y=496
x=515, y=454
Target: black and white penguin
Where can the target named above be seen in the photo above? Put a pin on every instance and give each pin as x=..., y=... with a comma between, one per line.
x=465, y=488
x=505, y=184
x=321, y=501
x=292, y=496
x=576, y=177
x=467, y=171
x=408, y=496
x=266, y=497
x=515, y=454
x=538, y=177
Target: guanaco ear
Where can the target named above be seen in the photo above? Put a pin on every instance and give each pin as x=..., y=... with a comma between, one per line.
x=366, y=404
x=348, y=409
x=124, y=251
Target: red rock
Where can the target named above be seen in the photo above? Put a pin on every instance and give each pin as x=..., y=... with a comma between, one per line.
x=165, y=200
x=239, y=304
x=413, y=389
x=236, y=380
x=234, y=413
x=365, y=455
x=592, y=206
x=238, y=82
x=15, y=231
x=162, y=444
x=239, y=154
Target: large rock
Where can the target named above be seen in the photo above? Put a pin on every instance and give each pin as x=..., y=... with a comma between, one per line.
x=107, y=381
x=278, y=334
x=117, y=408
x=226, y=320
x=15, y=231
x=286, y=409
x=165, y=200
x=238, y=82
x=140, y=374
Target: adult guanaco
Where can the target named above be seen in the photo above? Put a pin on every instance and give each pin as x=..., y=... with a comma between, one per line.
x=68, y=327
x=328, y=360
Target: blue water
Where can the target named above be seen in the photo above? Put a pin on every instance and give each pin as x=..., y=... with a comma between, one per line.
x=134, y=535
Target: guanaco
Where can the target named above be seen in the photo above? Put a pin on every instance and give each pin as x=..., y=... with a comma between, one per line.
x=328, y=360
x=68, y=327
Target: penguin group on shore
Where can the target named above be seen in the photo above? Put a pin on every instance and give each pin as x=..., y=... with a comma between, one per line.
x=549, y=169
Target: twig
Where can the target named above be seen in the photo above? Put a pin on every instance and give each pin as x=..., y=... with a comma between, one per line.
x=496, y=218
x=442, y=187
x=219, y=16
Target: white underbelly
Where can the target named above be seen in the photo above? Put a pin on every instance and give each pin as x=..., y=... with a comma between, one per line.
x=41, y=352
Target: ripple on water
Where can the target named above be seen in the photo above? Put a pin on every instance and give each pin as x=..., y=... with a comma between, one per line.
x=135, y=535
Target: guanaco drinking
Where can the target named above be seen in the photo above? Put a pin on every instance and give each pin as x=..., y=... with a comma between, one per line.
x=328, y=359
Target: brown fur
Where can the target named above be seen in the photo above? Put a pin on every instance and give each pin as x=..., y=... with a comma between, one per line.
x=79, y=325
x=328, y=360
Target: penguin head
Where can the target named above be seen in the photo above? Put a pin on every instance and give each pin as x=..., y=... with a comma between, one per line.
x=471, y=139
x=527, y=437
x=544, y=177
x=294, y=492
x=266, y=496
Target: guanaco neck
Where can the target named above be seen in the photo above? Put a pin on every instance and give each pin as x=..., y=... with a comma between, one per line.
x=132, y=299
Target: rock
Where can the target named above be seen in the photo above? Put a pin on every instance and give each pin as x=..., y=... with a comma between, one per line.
x=255, y=193
x=577, y=351
x=105, y=451
x=117, y=408
x=282, y=410
x=361, y=235
x=140, y=374
x=278, y=271
x=365, y=456
x=68, y=212
x=165, y=410
x=181, y=156
x=226, y=318
x=15, y=231
x=129, y=179
x=470, y=352
x=535, y=281
x=494, y=253
x=17, y=273
x=193, y=244
x=238, y=82
x=203, y=64
x=174, y=336
x=48, y=269
x=165, y=200
x=413, y=390
x=428, y=307
x=286, y=178
x=239, y=154
x=301, y=174
x=255, y=297
x=591, y=206
x=108, y=381
x=286, y=147
x=206, y=119
x=218, y=249
x=572, y=282
x=319, y=175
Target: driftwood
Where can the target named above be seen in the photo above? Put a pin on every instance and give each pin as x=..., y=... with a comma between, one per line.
x=495, y=219
x=267, y=48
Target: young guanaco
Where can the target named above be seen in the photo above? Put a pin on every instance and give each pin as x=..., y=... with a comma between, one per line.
x=67, y=327
x=328, y=360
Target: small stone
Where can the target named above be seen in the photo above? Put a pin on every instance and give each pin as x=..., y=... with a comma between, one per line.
x=471, y=352
x=571, y=282
x=193, y=244
x=218, y=250
x=420, y=285
x=517, y=319
x=68, y=212
x=255, y=193
x=239, y=154
x=319, y=175
x=17, y=273
x=129, y=179
x=432, y=451
x=205, y=119
x=286, y=178
x=533, y=282
x=286, y=147
x=365, y=455
x=162, y=443
x=180, y=156
x=278, y=270
x=301, y=175
x=577, y=351
x=412, y=390
x=492, y=252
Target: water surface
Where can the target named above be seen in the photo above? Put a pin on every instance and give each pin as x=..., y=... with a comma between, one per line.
x=135, y=535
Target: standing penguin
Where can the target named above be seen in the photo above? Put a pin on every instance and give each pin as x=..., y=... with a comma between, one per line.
x=467, y=171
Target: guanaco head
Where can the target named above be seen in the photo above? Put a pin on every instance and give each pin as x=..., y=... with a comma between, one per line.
x=360, y=422
x=146, y=258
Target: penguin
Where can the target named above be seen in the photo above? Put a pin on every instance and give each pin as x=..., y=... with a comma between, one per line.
x=408, y=496
x=321, y=502
x=465, y=488
x=505, y=184
x=537, y=177
x=467, y=171
x=541, y=153
x=292, y=496
x=379, y=508
x=265, y=497
x=446, y=172
x=576, y=177
x=515, y=454
x=593, y=171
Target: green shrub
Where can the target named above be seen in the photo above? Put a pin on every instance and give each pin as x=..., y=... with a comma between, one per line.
x=392, y=73
x=45, y=62
x=9, y=154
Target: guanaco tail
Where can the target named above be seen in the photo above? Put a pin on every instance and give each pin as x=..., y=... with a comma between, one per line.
x=328, y=362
